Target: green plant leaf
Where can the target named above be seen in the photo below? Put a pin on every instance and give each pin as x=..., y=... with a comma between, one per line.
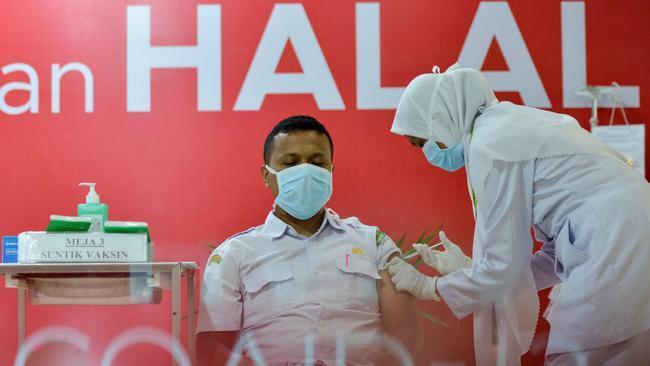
x=410, y=251
x=433, y=235
x=423, y=235
x=431, y=318
x=400, y=241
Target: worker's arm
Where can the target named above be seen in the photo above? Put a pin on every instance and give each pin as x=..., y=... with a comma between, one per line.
x=398, y=313
x=504, y=215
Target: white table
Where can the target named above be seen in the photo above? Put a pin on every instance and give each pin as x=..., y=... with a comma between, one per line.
x=158, y=275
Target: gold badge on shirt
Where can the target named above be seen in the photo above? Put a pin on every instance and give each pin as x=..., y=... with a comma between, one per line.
x=357, y=250
x=215, y=259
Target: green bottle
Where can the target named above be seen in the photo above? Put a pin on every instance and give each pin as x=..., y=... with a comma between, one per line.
x=97, y=211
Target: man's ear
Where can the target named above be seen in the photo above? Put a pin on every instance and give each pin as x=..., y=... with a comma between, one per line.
x=265, y=175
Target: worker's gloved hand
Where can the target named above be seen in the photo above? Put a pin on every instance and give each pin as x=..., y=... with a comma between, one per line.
x=451, y=260
x=408, y=278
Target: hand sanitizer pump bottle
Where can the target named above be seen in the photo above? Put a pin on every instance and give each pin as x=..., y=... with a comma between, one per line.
x=97, y=211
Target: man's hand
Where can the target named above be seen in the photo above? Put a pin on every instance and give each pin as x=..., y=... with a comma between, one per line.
x=451, y=260
x=408, y=278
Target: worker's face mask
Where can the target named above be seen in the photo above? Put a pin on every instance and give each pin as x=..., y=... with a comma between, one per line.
x=303, y=189
x=450, y=159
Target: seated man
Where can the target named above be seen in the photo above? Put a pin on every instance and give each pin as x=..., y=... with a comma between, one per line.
x=306, y=280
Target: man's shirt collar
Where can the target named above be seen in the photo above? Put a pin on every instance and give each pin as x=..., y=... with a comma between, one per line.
x=275, y=227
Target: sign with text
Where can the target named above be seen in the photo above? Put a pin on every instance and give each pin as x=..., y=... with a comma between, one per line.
x=42, y=247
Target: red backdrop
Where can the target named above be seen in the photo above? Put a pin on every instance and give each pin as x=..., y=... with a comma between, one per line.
x=194, y=175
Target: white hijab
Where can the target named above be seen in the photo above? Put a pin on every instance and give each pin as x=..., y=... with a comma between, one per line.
x=444, y=106
x=458, y=105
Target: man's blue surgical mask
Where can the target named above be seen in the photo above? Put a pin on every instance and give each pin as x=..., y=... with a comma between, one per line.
x=449, y=159
x=303, y=189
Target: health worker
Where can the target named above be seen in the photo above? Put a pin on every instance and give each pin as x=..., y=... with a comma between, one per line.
x=532, y=168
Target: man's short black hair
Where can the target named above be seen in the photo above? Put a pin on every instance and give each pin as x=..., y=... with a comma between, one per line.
x=294, y=124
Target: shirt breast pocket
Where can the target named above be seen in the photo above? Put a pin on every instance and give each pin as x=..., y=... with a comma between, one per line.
x=359, y=277
x=268, y=287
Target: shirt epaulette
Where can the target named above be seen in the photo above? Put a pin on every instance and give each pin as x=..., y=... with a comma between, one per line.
x=352, y=222
x=242, y=232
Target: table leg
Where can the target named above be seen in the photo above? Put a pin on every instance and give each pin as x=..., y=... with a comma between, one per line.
x=191, y=310
x=176, y=305
x=21, y=315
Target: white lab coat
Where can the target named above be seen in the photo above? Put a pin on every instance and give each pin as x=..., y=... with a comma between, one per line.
x=591, y=212
x=499, y=288
x=530, y=168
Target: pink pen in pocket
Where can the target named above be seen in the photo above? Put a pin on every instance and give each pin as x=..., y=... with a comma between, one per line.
x=347, y=261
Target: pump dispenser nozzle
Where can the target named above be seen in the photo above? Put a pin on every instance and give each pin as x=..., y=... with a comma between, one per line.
x=92, y=208
x=92, y=196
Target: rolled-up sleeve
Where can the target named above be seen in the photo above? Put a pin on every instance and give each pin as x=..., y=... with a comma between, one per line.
x=502, y=241
x=386, y=247
x=220, y=306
